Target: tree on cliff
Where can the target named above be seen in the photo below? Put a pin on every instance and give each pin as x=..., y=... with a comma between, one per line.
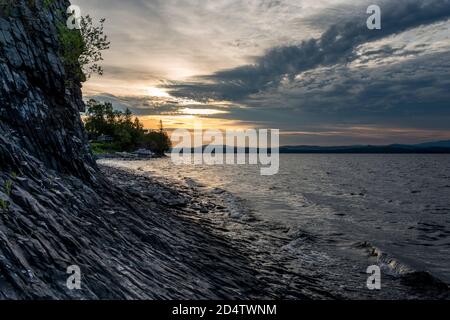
x=95, y=41
x=81, y=50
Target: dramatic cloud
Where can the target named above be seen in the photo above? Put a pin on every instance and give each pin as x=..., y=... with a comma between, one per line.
x=310, y=68
x=336, y=45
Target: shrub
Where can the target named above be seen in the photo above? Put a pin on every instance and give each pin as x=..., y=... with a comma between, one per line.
x=81, y=50
x=104, y=147
x=72, y=46
x=47, y=3
x=4, y=205
x=5, y=7
x=95, y=41
x=8, y=187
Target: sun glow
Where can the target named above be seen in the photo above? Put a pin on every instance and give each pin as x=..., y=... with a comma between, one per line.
x=172, y=122
x=157, y=92
x=201, y=112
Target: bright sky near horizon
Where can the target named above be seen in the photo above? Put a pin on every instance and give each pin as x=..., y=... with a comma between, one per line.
x=309, y=68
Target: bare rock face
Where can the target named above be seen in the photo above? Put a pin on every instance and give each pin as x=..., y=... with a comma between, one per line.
x=58, y=210
x=39, y=111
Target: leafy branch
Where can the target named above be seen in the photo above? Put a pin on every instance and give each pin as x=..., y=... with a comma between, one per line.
x=95, y=41
x=81, y=50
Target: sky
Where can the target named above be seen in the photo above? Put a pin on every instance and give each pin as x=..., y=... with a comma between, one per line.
x=309, y=68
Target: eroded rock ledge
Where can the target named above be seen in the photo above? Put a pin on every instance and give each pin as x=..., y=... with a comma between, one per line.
x=134, y=241
x=39, y=102
x=57, y=209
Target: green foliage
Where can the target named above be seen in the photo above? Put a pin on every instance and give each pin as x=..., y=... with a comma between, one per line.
x=8, y=187
x=72, y=47
x=126, y=130
x=4, y=205
x=95, y=41
x=157, y=141
x=48, y=3
x=5, y=7
x=81, y=50
x=104, y=147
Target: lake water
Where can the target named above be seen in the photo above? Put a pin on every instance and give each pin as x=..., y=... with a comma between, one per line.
x=395, y=206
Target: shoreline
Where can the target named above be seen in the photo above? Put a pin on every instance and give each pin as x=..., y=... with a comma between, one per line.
x=213, y=214
x=217, y=266
x=131, y=237
x=136, y=236
x=279, y=248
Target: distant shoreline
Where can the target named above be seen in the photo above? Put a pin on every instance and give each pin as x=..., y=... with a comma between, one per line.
x=351, y=151
x=326, y=150
x=440, y=147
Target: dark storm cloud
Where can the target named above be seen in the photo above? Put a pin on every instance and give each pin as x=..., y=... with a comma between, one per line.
x=310, y=68
x=413, y=93
x=336, y=45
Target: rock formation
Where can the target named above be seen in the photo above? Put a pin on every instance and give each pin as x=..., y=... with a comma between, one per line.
x=58, y=210
x=39, y=111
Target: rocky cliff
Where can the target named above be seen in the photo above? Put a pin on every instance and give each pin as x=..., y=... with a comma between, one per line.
x=39, y=111
x=131, y=237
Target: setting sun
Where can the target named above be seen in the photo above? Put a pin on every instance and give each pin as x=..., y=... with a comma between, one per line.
x=156, y=92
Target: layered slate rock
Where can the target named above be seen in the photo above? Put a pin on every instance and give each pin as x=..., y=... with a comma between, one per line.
x=57, y=209
x=39, y=110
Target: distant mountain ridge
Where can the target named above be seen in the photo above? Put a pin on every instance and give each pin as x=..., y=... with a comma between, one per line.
x=439, y=144
x=428, y=147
